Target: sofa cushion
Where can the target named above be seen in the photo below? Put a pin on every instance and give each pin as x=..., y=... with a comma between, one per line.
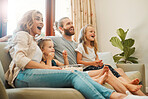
x=4, y=56
x=107, y=58
x=134, y=74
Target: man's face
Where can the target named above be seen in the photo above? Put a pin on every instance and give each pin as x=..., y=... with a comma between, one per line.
x=68, y=27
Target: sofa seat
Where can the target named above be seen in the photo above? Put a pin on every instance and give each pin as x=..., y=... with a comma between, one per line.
x=44, y=93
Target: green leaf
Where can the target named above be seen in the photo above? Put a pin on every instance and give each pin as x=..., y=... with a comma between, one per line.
x=121, y=62
x=128, y=51
x=121, y=33
x=132, y=58
x=134, y=61
x=117, y=57
x=128, y=42
x=122, y=54
x=116, y=42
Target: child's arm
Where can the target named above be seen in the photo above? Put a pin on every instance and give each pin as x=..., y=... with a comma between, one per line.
x=79, y=61
x=49, y=58
x=66, y=62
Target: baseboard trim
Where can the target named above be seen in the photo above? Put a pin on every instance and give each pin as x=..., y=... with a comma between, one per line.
x=146, y=89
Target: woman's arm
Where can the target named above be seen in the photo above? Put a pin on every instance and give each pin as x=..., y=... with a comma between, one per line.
x=58, y=63
x=34, y=65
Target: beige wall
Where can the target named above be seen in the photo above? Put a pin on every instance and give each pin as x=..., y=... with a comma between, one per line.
x=126, y=14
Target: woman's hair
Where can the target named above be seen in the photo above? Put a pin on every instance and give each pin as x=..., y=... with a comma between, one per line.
x=41, y=44
x=82, y=39
x=26, y=22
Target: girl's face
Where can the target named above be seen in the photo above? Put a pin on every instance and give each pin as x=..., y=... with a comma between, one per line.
x=37, y=25
x=48, y=47
x=90, y=33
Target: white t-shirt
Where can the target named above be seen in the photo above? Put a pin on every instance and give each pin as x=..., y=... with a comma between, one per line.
x=38, y=55
x=86, y=57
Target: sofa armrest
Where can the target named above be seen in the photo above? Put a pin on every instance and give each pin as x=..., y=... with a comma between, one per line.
x=135, y=67
x=3, y=94
x=44, y=93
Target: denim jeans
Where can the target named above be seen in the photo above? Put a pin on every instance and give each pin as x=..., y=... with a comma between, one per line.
x=61, y=78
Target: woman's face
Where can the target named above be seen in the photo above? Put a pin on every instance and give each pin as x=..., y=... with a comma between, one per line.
x=90, y=33
x=37, y=25
x=48, y=47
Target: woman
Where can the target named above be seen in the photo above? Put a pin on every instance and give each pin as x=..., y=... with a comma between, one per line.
x=26, y=70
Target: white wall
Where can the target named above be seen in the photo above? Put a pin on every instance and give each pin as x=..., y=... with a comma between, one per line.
x=126, y=14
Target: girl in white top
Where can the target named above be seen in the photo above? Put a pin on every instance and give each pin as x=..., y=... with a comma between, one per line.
x=87, y=54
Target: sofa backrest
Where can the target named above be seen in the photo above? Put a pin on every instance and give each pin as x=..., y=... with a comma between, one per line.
x=2, y=73
x=4, y=56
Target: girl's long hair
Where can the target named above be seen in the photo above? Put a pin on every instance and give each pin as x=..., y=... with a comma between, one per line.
x=82, y=39
x=26, y=22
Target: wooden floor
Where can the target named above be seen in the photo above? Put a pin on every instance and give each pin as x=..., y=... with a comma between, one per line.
x=147, y=94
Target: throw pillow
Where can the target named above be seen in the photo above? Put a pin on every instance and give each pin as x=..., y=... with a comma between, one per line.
x=107, y=58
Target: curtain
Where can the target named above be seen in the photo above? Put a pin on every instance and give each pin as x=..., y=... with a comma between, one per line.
x=3, y=17
x=50, y=17
x=83, y=13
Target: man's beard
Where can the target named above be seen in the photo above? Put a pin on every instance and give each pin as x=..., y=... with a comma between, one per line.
x=68, y=33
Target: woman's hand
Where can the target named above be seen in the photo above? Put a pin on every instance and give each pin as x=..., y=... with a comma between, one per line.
x=53, y=67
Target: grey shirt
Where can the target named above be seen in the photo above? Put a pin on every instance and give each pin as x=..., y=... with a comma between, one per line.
x=61, y=44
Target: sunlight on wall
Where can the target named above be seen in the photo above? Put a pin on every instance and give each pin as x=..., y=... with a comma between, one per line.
x=16, y=9
x=62, y=9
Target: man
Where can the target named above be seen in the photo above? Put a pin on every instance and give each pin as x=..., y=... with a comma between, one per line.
x=65, y=42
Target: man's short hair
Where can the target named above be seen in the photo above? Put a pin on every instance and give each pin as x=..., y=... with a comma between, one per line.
x=60, y=23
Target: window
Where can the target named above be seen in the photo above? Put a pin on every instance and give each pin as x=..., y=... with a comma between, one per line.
x=16, y=8
x=62, y=9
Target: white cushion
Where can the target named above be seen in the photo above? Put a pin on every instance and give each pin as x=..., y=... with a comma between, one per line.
x=107, y=58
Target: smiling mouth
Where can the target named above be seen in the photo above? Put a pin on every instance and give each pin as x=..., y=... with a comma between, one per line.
x=39, y=28
x=71, y=29
x=93, y=36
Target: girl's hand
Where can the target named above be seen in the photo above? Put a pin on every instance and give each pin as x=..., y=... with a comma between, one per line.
x=50, y=56
x=99, y=62
x=64, y=54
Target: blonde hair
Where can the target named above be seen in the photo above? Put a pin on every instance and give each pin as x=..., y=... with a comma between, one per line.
x=41, y=44
x=82, y=39
x=26, y=22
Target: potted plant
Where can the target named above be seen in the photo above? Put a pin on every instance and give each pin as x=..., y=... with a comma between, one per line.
x=125, y=45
